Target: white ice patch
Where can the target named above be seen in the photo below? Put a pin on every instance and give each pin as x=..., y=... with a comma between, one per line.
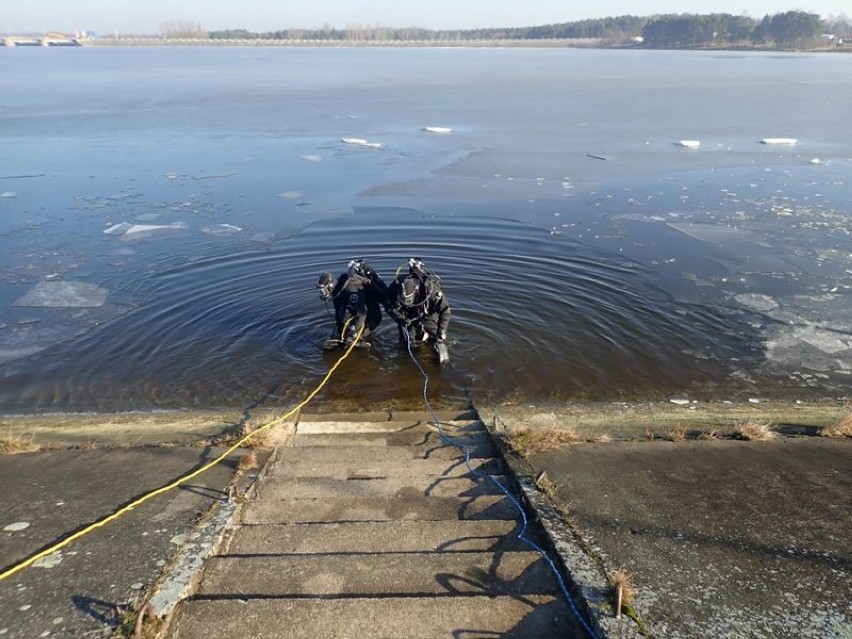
x=221, y=230
x=826, y=341
x=61, y=294
x=17, y=526
x=757, y=302
x=139, y=231
x=51, y=561
x=118, y=229
x=362, y=142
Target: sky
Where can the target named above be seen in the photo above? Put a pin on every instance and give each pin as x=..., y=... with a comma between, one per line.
x=147, y=16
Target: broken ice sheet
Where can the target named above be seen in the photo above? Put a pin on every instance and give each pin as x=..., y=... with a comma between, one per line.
x=757, y=302
x=221, y=230
x=141, y=231
x=61, y=294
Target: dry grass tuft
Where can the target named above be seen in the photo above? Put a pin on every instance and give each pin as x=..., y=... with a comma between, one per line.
x=754, y=431
x=261, y=439
x=247, y=462
x=11, y=444
x=600, y=438
x=842, y=428
x=709, y=435
x=676, y=433
x=528, y=441
x=623, y=579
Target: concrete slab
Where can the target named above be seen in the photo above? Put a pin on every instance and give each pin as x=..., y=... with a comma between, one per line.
x=377, y=575
x=366, y=487
x=410, y=617
x=81, y=590
x=751, y=536
x=403, y=507
x=412, y=417
x=396, y=468
x=388, y=426
x=376, y=536
x=380, y=453
x=417, y=437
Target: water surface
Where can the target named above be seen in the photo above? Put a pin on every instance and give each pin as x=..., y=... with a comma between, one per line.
x=585, y=254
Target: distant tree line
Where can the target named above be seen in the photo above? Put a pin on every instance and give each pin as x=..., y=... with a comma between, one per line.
x=789, y=29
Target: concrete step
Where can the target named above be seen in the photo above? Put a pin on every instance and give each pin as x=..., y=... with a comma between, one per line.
x=381, y=453
x=529, y=617
x=378, y=575
x=330, y=488
x=404, y=506
x=420, y=416
x=357, y=469
x=415, y=437
x=390, y=426
x=494, y=535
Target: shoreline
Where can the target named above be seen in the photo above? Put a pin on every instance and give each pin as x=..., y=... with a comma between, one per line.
x=611, y=421
x=555, y=43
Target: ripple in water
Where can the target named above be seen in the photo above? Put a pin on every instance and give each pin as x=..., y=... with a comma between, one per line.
x=534, y=316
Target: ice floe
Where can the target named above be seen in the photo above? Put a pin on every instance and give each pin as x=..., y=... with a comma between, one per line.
x=141, y=231
x=221, y=230
x=781, y=141
x=689, y=144
x=362, y=142
x=63, y=294
x=437, y=129
x=757, y=302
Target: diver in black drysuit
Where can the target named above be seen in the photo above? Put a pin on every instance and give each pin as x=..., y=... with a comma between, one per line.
x=357, y=295
x=417, y=303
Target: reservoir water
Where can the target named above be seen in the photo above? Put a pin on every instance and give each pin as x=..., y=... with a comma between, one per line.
x=165, y=213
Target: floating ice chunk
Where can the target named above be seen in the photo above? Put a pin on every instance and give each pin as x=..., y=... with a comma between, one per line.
x=118, y=229
x=17, y=526
x=689, y=144
x=757, y=302
x=138, y=231
x=9, y=194
x=263, y=236
x=362, y=142
x=63, y=294
x=783, y=141
x=825, y=340
x=221, y=230
x=437, y=129
x=815, y=161
x=312, y=158
x=291, y=195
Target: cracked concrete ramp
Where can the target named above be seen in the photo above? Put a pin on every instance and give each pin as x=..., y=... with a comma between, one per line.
x=372, y=526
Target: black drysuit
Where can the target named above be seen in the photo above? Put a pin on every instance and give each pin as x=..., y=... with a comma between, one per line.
x=430, y=312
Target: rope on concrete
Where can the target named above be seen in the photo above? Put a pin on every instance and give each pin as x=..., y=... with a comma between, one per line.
x=182, y=480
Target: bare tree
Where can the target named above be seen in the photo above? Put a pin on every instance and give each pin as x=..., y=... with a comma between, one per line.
x=182, y=29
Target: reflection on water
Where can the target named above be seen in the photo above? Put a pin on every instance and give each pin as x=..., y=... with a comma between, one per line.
x=533, y=314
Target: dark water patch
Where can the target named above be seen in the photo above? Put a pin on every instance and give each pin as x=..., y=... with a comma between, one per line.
x=533, y=314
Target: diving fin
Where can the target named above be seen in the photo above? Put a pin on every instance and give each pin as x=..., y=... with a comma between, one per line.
x=441, y=352
x=334, y=344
